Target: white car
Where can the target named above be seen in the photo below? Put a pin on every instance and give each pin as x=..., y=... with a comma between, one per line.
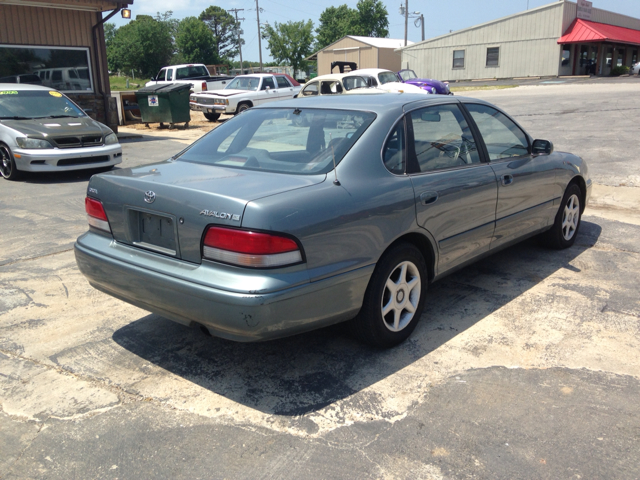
x=244, y=92
x=635, y=69
x=41, y=130
x=338, y=83
x=388, y=81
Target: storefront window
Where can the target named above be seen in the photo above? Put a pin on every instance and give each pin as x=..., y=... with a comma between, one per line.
x=566, y=55
x=621, y=55
x=65, y=69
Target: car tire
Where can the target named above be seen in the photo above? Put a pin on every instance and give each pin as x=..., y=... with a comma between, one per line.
x=394, y=298
x=567, y=222
x=8, y=167
x=242, y=107
x=212, y=117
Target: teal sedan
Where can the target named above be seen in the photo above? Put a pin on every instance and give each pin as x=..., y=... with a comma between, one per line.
x=268, y=226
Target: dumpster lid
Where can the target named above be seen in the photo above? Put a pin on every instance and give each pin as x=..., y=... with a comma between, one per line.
x=165, y=88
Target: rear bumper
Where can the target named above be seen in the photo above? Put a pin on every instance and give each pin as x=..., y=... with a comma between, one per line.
x=244, y=317
x=64, y=159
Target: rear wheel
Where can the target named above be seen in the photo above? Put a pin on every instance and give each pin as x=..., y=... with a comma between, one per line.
x=212, y=117
x=567, y=223
x=394, y=299
x=8, y=168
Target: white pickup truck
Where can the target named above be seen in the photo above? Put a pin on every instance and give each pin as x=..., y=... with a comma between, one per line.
x=244, y=92
x=195, y=73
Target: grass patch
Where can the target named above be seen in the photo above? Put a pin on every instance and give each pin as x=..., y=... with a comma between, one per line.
x=481, y=87
x=120, y=83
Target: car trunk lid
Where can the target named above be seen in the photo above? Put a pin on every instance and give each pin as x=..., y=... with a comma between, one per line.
x=167, y=207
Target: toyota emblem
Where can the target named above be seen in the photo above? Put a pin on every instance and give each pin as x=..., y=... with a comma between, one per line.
x=149, y=196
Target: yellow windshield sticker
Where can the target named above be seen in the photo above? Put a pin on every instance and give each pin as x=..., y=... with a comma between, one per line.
x=9, y=92
x=55, y=94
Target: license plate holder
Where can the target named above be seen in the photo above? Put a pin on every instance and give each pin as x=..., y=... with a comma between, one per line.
x=154, y=232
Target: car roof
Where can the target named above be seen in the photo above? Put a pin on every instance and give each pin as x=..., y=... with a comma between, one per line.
x=374, y=71
x=378, y=103
x=335, y=76
x=24, y=86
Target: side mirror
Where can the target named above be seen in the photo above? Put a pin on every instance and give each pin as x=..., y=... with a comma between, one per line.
x=542, y=147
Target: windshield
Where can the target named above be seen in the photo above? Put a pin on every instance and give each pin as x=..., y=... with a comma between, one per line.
x=27, y=104
x=284, y=140
x=351, y=83
x=244, y=83
x=387, y=77
x=408, y=75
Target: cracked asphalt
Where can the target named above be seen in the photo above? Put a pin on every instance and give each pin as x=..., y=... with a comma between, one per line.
x=525, y=365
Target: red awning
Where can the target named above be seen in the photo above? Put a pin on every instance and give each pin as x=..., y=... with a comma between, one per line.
x=585, y=31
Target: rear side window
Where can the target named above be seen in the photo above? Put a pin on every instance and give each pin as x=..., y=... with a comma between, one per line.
x=442, y=139
x=394, y=150
x=502, y=137
x=283, y=82
x=57, y=75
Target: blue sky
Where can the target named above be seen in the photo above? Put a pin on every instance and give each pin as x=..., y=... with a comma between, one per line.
x=440, y=16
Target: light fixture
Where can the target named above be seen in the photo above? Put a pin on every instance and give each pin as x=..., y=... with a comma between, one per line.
x=126, y=13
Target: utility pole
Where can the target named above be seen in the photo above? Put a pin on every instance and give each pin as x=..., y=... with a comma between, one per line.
x=260, y=34
x=236, y=10
x=406, y=20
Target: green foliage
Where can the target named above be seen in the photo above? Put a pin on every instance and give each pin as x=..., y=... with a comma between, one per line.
x=225, y=30
x=195, y=42
x=619, y=70
x=290, y=43
x=369, y=19
x=143, y=45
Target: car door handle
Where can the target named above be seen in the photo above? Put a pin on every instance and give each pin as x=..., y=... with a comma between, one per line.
x=428, y=197
x=506, y=180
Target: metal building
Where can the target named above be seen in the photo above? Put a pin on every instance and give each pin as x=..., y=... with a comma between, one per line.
x=366, y=52
x=561, y=38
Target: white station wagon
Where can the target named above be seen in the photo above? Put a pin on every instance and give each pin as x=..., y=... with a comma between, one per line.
x=244, y=92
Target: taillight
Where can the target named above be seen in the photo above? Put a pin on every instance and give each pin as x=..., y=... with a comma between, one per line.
x=204, y=86
x=96, y=215
x=250, y=249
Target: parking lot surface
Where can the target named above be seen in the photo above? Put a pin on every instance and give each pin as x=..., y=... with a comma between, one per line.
x=525, y=364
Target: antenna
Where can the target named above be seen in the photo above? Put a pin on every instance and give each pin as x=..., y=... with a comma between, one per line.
x=333, y=154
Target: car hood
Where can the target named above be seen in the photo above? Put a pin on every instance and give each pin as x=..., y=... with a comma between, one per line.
x=427, y=81
x=227, y=92
x=198, y=194
x=57, y=127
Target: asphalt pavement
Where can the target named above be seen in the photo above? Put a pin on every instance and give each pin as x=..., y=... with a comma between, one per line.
x=525, y=365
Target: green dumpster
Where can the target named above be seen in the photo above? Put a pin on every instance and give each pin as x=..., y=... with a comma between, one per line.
x=168, y=103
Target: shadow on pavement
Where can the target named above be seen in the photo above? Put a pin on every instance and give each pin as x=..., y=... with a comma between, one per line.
x=305, y=373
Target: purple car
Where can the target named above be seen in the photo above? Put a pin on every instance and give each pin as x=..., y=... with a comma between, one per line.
x=433, y=86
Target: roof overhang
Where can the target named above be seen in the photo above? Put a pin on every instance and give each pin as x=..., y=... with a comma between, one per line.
x=586, y=31
x=83, y=5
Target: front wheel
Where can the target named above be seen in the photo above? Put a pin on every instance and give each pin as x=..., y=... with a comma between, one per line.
x=8, y=168
x=212, y=117
x=242, y=107
x=567, y=222
x=394, y=299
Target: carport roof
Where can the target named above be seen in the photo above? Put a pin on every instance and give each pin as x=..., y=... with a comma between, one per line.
x=585, y=31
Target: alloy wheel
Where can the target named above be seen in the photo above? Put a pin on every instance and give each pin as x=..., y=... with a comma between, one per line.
x=401, y=296
x=570, y=217
x=6, y=166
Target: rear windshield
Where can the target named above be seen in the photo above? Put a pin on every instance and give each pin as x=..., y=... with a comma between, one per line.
x=27, y=104
x=191, y=71
x=297, y=141
x=387, y=77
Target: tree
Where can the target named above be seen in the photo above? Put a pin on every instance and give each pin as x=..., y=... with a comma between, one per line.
x=195, y=42
x=290, y=42
x=373, y=19
x=335, y=23
x=369, y=19
x=144, y=45
x=225, y=31
x=109, y=34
